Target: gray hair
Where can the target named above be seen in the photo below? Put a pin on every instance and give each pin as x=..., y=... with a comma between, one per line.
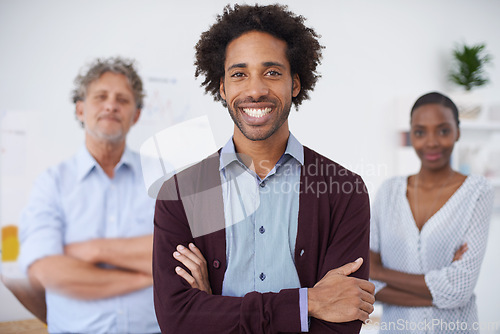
x=99, y=67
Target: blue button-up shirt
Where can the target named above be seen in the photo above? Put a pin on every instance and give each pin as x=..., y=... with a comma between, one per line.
x=76, y=201
x=261, y=218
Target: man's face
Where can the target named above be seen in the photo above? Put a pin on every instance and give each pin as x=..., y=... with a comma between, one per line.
x=258, y=85
x=109, y=108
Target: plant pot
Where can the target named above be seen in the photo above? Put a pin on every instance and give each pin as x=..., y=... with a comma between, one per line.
x=469, y=104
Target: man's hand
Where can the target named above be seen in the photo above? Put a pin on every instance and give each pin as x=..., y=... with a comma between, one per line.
x=30, y=293
x=134, y=254
x=82, y=280
x=193, y=259
x=87, y=251
x=460, y=252
x=339, y=298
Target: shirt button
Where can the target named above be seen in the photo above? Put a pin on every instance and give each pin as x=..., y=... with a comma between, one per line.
x=262, y=230
x=262, y=276
x=216, y=264
x=262, y=184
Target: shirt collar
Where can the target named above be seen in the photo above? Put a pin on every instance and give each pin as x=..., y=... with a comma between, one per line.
x=85, y=162
x=293, y=148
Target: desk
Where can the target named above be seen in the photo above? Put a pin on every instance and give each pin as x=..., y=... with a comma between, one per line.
x=30, y=326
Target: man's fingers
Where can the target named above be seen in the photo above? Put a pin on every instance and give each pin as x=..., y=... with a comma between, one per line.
x=190, y=254
x=196, y=274
x=184, y=274
x=192, y=262
x=349, y=268
x=363, y=315
x=366, y=285
x=197, y=252
x=367, y=297
x=192, y=266
x=366, y=307
x=363, y=311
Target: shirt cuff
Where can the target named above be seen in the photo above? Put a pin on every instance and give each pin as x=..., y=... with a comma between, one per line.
x=304, y=313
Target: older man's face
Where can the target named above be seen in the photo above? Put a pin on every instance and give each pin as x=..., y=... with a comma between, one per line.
x=109, y=108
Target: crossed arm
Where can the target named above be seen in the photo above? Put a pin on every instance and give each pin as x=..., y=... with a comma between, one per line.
x=183, y=308
x=79, y=272
x=335, y=298
x=30, y=294
x=188, y=307
x=403, y=289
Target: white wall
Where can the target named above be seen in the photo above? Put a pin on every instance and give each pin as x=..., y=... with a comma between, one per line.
x=376, y=52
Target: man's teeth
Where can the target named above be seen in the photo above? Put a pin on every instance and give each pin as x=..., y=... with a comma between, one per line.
x=254, y=112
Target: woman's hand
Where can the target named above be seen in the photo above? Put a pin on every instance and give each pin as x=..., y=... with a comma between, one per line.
x=460, y=251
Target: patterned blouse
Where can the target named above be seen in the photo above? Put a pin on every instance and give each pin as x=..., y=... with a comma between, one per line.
x=463, y=218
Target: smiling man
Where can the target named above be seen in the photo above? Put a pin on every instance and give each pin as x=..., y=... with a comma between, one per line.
x=86, y=234
x=266, y=235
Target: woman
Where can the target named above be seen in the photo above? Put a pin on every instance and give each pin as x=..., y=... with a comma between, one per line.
x=429, y=232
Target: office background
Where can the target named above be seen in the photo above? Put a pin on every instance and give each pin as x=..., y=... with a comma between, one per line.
x=379, y=57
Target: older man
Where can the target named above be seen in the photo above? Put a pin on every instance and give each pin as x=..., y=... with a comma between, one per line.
x=86, y=233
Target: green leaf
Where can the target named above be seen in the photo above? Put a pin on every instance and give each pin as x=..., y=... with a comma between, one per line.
x=468, y=70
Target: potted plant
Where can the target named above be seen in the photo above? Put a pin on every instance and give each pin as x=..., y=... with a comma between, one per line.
x=469, y=72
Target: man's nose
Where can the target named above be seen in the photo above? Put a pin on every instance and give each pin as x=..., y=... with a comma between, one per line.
x=111, y=104
x=257, y=87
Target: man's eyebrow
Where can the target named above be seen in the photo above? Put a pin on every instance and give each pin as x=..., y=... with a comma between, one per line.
x=273, y=63
x=265, y=64
x=99, y=91
x=239, y=65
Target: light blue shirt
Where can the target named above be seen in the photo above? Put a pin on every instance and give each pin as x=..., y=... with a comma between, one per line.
x=76, y=201
x=261, y=217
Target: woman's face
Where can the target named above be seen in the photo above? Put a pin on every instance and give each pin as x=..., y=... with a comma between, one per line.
x=433, y=134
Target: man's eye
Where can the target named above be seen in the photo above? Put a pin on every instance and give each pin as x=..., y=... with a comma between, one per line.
x=237, y=75
x=273, y=73
x=100, y=97
x=123, y=101
x=418, y=133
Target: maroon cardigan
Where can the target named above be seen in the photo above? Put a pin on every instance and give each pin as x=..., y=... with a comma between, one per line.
x=333, y=229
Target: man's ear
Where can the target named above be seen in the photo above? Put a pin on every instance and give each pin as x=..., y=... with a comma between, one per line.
x=222, y=91
x=136, y=116
x=295, y=85
x=458, y=135
x=79, y=111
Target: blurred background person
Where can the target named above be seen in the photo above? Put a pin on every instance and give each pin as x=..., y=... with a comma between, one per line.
x=86, y=233
x=429, y=231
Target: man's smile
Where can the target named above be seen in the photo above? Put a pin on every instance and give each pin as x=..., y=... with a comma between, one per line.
x=257, y=112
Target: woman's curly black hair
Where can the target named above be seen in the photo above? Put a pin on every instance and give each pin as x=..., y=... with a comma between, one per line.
x=304, y=50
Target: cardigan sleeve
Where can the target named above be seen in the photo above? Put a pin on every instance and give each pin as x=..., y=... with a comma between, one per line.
x=348, y=239
x=182, y=309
